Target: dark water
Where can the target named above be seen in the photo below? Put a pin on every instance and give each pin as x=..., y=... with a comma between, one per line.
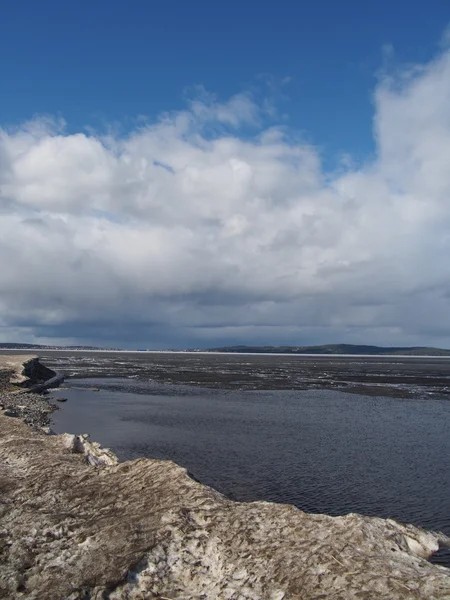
x=320, y=449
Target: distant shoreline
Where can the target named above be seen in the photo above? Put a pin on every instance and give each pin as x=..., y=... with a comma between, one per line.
x=212, y=352
x=339, y=350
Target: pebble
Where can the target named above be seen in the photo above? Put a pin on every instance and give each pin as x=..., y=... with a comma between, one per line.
x=34, y=409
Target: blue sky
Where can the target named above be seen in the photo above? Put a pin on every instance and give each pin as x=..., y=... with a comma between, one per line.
x=111, y=61
x=183, y=174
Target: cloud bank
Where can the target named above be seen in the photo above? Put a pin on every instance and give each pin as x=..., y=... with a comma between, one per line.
x=208, y=227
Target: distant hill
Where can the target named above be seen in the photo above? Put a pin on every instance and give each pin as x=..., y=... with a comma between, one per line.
x=336, y=349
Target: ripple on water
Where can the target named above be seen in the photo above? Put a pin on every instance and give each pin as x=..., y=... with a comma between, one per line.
x=324, y=451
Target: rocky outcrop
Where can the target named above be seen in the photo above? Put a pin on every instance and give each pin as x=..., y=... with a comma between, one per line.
x=27, y=372
x=76, y=525
x=12, y=368
x=21, y=378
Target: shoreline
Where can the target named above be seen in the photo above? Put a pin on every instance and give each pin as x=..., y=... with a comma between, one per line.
x=24, y=378
x=144, y=528
x=291, y=354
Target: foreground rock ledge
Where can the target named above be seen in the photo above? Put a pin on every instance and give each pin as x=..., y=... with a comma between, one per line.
x=144, y=529
x=28, y=372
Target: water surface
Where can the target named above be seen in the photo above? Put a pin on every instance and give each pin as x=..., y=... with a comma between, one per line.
x=321, y=450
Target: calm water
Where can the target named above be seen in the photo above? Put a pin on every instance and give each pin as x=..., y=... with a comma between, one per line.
x=320, y=449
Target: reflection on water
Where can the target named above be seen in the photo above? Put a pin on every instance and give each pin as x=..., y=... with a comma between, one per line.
x=322, y=450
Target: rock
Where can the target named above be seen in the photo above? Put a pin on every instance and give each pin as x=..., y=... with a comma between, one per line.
x=26, y=370
x=48, y=431
x=10, y=412
x=94, y=453
x=61, y=399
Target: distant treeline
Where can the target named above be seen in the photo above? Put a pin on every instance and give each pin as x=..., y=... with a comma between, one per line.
x=336, y=349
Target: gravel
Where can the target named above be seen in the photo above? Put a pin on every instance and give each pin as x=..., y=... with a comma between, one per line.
x=33, y=409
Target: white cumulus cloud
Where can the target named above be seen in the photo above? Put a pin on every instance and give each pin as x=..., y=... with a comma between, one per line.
x=192, y=231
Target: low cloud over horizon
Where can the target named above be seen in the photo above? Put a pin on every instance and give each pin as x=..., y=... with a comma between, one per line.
x=209, y=227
